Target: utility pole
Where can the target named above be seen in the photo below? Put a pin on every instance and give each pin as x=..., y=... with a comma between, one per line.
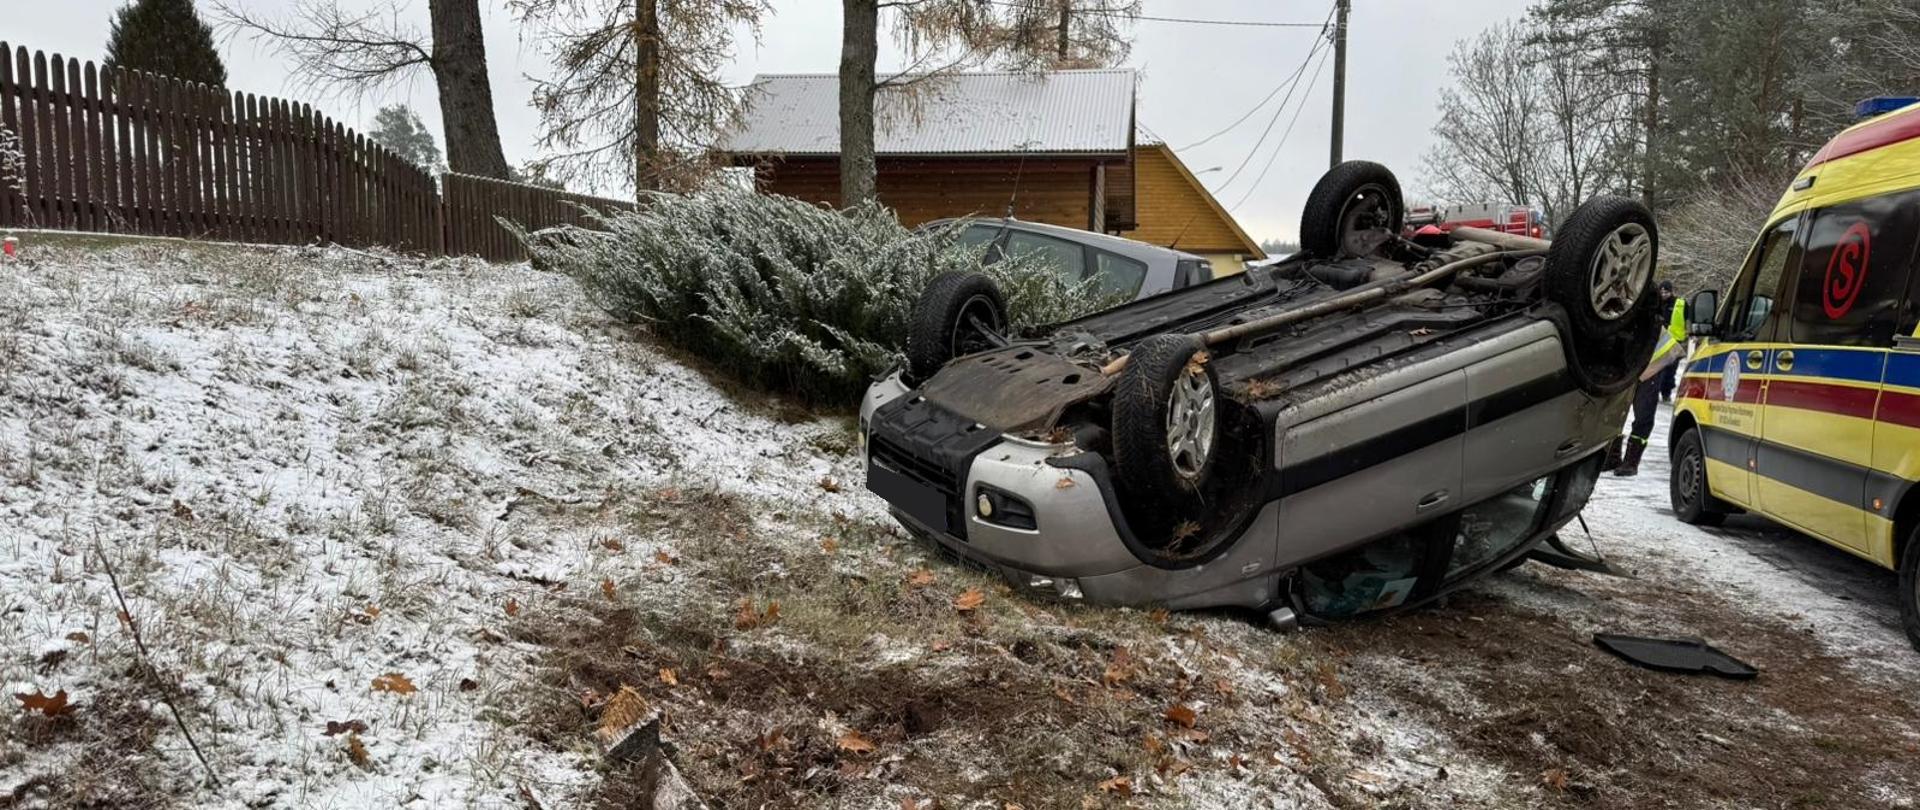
x=1339, y=79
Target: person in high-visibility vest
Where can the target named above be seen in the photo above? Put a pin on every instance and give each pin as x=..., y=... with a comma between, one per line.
x=1676, y=326
x=1646, y=399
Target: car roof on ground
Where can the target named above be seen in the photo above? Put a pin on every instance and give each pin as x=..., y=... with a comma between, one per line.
x=1116, y=244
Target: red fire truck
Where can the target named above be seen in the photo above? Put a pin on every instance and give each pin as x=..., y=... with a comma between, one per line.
x=1503, y=217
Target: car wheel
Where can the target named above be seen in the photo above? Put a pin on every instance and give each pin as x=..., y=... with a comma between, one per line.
x=1910, y=588
x=1355, y=208
x=957, y=314
x=1693, y=502
x=1166, y=423
x=1600, y=273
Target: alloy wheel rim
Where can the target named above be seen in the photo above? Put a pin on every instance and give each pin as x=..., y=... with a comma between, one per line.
x=1190, y=416
x=1620, y=271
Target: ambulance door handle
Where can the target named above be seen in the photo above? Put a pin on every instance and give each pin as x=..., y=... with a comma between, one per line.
x=1783, y=360
x=1755, y=359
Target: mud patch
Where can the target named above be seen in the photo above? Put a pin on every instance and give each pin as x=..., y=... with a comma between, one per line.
x=1529, y=690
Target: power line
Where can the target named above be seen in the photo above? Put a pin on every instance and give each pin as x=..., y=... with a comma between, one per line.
x=1283, y=136
x=1292, y=85
x=1317, y=45
x=1184, y=20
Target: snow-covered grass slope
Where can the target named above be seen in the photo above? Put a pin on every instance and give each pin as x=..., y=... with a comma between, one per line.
x=310, y=468
x=393, y=532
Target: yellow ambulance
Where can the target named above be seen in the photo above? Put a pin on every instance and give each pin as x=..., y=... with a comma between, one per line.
x=1803, y=402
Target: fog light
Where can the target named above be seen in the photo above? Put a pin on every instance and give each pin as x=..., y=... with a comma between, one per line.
x=983, y=505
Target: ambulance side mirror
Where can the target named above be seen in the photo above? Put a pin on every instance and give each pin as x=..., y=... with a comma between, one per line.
x=1701, y=308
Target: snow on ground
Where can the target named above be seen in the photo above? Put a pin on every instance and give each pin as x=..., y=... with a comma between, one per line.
x=311, y=469
x=301, y=465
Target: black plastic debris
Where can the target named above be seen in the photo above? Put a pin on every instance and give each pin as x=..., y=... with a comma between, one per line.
x=1675, y=655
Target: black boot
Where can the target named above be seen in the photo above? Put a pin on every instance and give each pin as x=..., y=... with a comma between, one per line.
x=1630, y=466
x=1614, y=452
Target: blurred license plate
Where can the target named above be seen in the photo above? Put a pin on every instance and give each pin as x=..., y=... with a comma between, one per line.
x=921, y=502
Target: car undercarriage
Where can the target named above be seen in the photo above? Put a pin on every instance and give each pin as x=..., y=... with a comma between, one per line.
x=1231, y=435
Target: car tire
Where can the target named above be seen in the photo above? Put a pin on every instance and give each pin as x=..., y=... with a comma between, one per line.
x=1610, y=330
x=1608, y=236
x=1687, y=488
x=1910, y=588
x=1166, y=425
x=1328, y=222
x=940, y=326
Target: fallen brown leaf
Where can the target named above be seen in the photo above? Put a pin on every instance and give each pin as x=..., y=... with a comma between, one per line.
x=625, y=708
x=53, y=705
x=668, y=677
x=829, y=545
x=614, y=545
x=335, y=727
x=468, y=684
x=827, y=483
x=853, y=743
x=513, y=607
x=1119, y=668
x=1181, y=714
x=79, y=637
x=1119, y=785
x=969, y=599
x=921, y=578
x=1065, y=482
x=607, y=589
x=357, y=751
x=942, y=645
x=394, y=682
x=663, y=558
x=1555, y=778
x=373, y=611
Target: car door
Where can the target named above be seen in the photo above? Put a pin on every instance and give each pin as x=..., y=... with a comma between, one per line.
x=1896, y=426
x=1823, y=380
x=1730, y=425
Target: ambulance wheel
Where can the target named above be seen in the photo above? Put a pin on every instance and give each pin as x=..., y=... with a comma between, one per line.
x=1354, y=209
x=1910, y=588
x=1692, y=502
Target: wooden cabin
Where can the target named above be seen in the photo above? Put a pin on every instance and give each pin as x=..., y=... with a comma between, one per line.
x=1055, y=147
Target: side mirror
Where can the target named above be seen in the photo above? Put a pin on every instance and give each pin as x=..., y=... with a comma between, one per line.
x=1702, y=306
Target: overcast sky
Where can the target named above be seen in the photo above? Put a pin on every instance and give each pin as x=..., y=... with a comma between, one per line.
x=1195, y=79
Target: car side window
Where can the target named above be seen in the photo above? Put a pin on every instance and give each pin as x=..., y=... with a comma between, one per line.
x=974, y=236
x=1118, y=274
x=1751, y=303
x=1067, y=259
x=1854, y=270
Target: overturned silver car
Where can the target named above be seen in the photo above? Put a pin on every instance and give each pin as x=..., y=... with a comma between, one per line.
x=1362, y=427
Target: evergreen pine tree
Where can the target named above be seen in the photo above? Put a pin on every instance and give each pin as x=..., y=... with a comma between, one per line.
x=166, y=37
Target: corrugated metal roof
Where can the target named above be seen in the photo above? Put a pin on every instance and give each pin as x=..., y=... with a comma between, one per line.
x=1068, y=111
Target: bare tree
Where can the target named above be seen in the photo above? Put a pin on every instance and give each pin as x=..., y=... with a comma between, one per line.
x=1490, y=129
x=361, y=53
x=637, y=93
x=947, y=35
x=1525, y=122
x=1706, y=236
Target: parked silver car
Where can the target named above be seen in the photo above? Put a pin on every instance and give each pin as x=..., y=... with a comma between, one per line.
x=1123, y=266
x=1361, y=427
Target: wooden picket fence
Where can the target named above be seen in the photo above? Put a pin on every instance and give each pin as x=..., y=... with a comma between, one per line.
x=123, y=151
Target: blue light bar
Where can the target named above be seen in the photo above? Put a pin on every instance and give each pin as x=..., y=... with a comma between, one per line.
x=1880, y=105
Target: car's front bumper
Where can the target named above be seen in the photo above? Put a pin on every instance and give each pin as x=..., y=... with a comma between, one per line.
x=1078, y=546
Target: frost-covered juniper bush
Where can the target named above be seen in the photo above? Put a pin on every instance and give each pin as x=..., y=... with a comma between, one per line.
x=781, y=292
